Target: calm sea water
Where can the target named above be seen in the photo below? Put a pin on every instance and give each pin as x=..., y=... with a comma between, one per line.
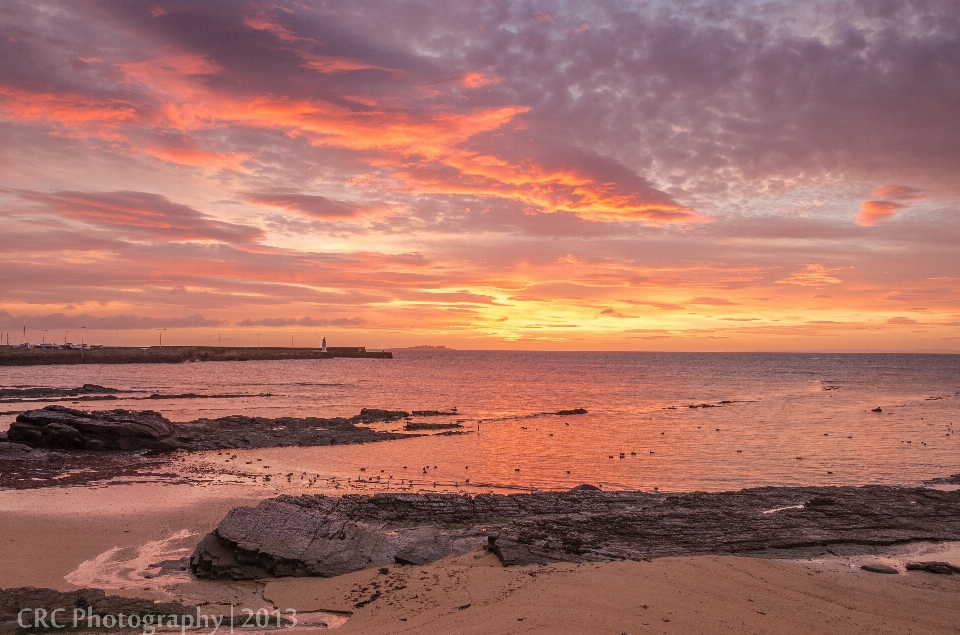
x=773, y=419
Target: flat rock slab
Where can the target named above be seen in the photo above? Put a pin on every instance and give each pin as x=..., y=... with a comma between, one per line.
x=61, y=428
x=329, y=536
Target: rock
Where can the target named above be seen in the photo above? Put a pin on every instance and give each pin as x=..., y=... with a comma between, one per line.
x=416, y=425
x=946, y=480
x=941, y=568
x=575, y=411
x=58, y=427
x=328, y=536
x=880, y=568
x=42, y=392
x=10, y=451
x=877, y=410
x=374, y=415
x=434, y=413
x=585, y=488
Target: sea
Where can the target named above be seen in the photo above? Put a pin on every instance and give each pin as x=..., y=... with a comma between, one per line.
x=654, y=421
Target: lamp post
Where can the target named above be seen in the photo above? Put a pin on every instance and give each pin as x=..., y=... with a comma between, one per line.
x=44, y=335
x=258, y=341
x=65, y=337
x=161, y=336
x=81, y=336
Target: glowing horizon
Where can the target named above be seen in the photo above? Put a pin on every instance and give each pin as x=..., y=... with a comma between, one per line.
x=595, y=176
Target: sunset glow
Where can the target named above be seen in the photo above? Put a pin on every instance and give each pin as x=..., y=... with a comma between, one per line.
x=578, y=176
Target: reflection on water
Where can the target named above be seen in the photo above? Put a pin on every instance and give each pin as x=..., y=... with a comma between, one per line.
x=673, y=421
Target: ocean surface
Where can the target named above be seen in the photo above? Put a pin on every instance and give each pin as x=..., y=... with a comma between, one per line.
x=673, y=421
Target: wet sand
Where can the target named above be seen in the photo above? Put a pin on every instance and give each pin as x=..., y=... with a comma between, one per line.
x=45, y=534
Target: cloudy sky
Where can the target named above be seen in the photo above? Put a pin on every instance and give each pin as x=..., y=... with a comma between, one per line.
x=674, y=175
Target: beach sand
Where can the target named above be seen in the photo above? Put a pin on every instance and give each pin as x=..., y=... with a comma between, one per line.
x=473, y=594
x=53, y=533
x=46, y=534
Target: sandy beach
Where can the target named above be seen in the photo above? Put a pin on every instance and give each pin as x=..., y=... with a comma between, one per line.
x=473, y=594
x=48, y=537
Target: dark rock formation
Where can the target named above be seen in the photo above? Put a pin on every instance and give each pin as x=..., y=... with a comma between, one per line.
x=880, y=568
x=434, y=413
x=9, y=451
x=328, y=536
x=57, y=427
x=946, y=480
x=33, y=469
x=574, y=411
x=40, y=392
x=941, y=568
x=417, y=425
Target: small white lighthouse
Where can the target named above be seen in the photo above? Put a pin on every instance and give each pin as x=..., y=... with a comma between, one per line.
x=323, y=346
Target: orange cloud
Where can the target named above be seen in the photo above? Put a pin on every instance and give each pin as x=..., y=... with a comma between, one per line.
x=64, y=109
x=427, y=150
x=262, y=23
x=329, y=64
x=811, y=276
x=874, y=212
x=898, y=192
x=477, y=80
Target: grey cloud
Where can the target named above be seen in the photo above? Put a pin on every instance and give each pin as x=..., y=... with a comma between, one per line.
x=303, y=321
x=109, y=322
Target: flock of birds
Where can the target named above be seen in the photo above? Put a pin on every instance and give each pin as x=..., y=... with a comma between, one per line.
x=405, y=483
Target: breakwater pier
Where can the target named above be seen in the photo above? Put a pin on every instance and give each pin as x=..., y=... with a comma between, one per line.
x=37, y=356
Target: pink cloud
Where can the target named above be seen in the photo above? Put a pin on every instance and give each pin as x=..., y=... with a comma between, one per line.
x=875, y=212
x=899, y=192
x=142, y=215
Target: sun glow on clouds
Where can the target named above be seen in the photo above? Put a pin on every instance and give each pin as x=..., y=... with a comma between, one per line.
x=581, y=177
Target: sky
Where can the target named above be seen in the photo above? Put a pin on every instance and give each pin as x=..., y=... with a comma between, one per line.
x=701, y=175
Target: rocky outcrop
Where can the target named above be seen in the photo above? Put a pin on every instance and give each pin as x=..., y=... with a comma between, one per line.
x=328, y=536
x=418, y=425
x=57, y=427
x=940, y=568
x=13, y=451
x=946, y=480
x=42, y=392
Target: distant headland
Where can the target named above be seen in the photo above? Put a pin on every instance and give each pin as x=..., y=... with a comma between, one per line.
x=39, y=355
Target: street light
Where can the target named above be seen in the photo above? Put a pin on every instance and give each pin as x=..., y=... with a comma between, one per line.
x=65, y=337
x=161, y=336
x=44, y=336
x=258, y=341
